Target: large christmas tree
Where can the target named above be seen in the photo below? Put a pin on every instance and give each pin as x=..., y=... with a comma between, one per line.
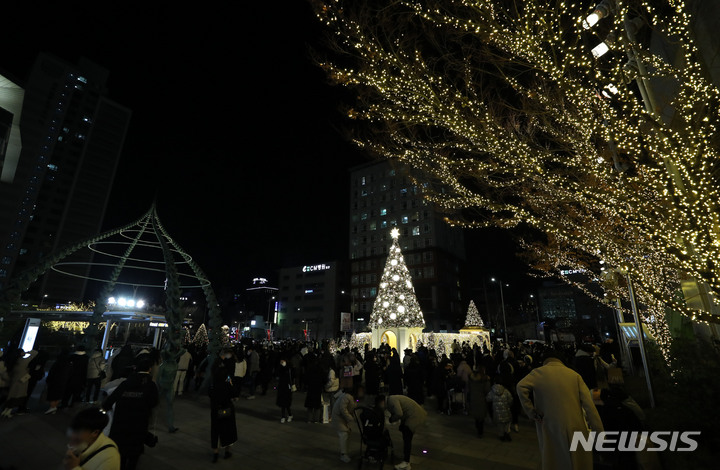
x=473, y=318
x=396, y=304
x=201, y=336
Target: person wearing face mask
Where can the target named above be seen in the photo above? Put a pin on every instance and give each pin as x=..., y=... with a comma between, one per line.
x=284, y=391
x=88, y=447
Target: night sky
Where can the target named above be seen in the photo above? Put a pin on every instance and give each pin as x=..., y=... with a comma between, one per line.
x=234, y=130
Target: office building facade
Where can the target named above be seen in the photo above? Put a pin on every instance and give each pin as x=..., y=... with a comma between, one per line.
x=72, y=136
x=383, y=196
x=310, y=298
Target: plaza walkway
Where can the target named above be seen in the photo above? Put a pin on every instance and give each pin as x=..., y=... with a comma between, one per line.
x=37, y=442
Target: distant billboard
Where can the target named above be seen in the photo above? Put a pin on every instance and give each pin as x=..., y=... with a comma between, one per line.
x=345, y=321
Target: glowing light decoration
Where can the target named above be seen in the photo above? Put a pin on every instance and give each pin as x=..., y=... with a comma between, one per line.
x=509, y=119
x=201, y=336
x=396, y=303
x=473, y=318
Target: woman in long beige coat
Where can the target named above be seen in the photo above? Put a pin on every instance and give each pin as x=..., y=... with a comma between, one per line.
x=559, y=399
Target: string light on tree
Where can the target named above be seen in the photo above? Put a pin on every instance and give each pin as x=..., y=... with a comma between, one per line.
x=473, y=318
x=201, y=336
x=396, y=304
x=502, y=113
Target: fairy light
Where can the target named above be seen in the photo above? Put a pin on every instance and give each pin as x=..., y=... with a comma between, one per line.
x=396, y=304
x=439, y=88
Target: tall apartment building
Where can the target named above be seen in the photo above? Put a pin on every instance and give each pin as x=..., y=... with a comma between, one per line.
x=383, y=196
x=311, y=298
x=71, y=139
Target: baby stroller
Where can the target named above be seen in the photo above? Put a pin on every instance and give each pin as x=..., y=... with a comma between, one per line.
x=456, y=395
x=373, y=437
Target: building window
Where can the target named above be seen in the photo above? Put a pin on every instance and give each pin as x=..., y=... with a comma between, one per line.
x=363, y=193
x=6, y=260
x=373, y=225
x=373, y=291
x=383, y=211
x=416, y=231
x=428, y=256
x=383, y=224
x=364, y=216
x=426, y=228
x=429, y=271
x=428, y=241
x=404, y=219
x=363, y=181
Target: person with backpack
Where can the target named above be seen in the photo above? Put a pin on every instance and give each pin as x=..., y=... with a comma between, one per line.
x=88, y=447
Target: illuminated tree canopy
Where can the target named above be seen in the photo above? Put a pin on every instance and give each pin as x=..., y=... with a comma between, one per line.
x=512, y=122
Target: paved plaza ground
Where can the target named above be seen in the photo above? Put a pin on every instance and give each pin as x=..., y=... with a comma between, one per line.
x=37, y=442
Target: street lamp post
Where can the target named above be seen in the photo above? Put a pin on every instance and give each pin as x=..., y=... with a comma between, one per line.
x=502, y=303
x=537, y=309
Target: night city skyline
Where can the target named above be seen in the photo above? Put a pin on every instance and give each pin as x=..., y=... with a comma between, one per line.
x=249, y=143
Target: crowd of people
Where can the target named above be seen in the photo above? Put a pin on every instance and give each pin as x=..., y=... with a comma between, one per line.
x=488, y=384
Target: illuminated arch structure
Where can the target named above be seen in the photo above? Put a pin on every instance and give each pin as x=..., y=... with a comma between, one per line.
x=140, y=249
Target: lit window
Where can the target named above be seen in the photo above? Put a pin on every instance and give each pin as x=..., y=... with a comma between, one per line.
x=363, y=192
x=383, y=211
x=52, y=167
x=383, y=224
x=6, y=260
x=404, y=219
x=416, y=231
x=364, y=216
x=373, y=225
x=373, y=291
x=82, y=79
x=363, y=181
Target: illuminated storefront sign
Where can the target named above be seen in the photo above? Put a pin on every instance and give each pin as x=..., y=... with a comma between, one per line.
x=316, y=267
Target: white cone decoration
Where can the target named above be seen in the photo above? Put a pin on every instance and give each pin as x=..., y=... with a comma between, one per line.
x=396, y=304
x=473, y=318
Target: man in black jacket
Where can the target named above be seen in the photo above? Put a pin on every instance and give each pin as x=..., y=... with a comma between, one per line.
x=134, y=400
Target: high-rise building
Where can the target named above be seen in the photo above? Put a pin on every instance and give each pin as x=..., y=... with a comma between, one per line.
x=55, y=190
x=311, y=298
x=383, y=196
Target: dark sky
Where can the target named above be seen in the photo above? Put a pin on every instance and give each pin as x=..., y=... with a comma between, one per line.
x=234, y=128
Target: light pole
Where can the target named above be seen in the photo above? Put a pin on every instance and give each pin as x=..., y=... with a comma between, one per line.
x=502, y=303
x=537, y=309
